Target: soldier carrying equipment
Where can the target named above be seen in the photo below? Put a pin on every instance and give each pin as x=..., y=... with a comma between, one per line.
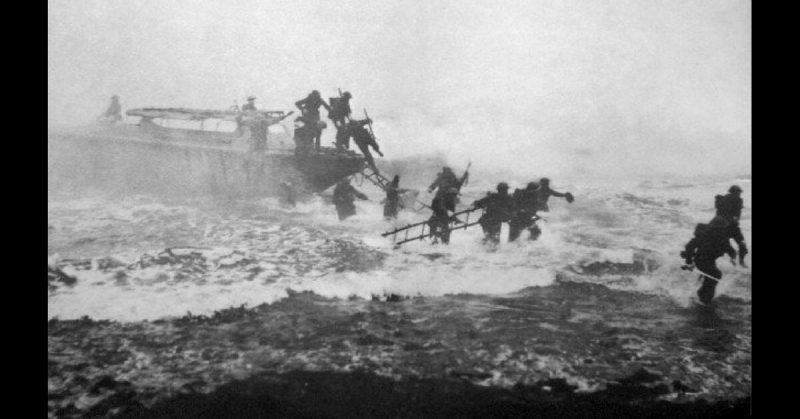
x=730, y=208
x=710, y=241
x=340, y=109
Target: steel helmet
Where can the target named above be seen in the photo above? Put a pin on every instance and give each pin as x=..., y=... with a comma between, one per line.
x=735, y=189
x=502, y=186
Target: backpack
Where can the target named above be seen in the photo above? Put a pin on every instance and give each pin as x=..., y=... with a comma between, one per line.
x=336, y=108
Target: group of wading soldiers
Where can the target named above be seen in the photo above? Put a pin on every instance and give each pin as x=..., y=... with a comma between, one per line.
x=713, y=240
x=518, y=210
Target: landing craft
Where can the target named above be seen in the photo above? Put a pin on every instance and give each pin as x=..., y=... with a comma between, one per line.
x=235, y=152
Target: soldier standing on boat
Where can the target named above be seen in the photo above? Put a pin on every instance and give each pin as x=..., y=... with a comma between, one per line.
x=340, y=115
x=544, y=193
x=526, y=203
x=343, y=196
x=730, y=208
x=340, y=110
x=364, y=140
x=114, y=112
x=309, y=106
x=497, y=210
x=710, y=241
x=304, y=132
x=439, y=222
x=250, y=105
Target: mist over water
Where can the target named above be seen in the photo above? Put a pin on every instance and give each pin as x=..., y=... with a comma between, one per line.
x=585, y=89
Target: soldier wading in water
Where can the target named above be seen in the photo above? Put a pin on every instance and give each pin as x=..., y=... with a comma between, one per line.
x=343, y=196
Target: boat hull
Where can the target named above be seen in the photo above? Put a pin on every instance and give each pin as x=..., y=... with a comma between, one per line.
x=135, y=160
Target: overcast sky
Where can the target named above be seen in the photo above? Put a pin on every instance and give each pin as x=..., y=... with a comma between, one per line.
x=568, y=87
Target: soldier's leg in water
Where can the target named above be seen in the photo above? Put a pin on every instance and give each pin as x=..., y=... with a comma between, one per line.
x=514, y=229
x=494, y=231
x=738, y=237
x=517, y=224
x=708, y=289
x=535, y=231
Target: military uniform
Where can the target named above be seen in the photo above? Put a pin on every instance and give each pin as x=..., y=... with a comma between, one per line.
x=497, y=209
x=392, y=201
x=710, y=241
x=250, y=105
x=364, y=140
x=343, y=196
x=439, y=222
x=730, y=208
x=444, y=181
x=340, y=109
x=309, y=106
x=304, y=133
x=526, y=203
x=544, y=193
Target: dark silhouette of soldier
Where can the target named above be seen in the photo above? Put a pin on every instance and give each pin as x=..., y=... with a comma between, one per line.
x=309, y=107
x=364, y=140
x=304, y=133
x=343, y=196
x=730, y=207
x=250, y=105
x=544, y=193
x=710, y=241
x=440, y=219
x=343, y=137
x=114, y=111
x=340, y=110
x=392, y=201
x=526, y=203
x=445, y=180
x=497, y=209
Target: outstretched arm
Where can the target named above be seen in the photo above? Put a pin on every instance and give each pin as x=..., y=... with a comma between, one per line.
x=568, y=196
x=359, y=195
x=433, y=185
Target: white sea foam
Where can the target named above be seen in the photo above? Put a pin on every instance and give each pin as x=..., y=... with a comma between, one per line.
x=252, y=256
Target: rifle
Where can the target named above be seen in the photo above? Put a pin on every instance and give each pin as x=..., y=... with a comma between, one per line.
x=690, y=268
x=465, y=176
x=371, y=132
